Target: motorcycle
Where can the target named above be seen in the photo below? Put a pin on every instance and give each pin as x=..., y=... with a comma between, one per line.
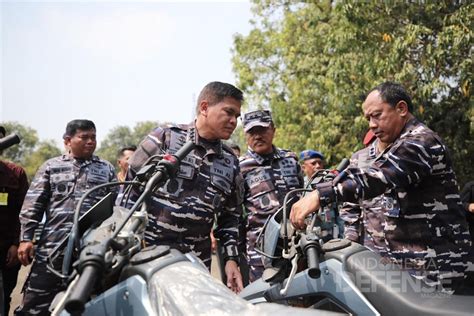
x=116, y=275
x=338, y=275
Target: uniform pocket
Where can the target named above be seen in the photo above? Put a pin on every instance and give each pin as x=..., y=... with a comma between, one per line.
x=62, y=184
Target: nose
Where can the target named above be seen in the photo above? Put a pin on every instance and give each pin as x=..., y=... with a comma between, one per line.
x=233, y=120
x=372, y=124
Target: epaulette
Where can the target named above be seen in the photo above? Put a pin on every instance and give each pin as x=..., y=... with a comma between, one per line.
x=180, y=126
x=290, y=154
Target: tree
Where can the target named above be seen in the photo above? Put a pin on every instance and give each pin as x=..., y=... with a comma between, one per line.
x=123, y=136
x=45, y=150
x=311, y=63
x=29, y=138
x=29, y=153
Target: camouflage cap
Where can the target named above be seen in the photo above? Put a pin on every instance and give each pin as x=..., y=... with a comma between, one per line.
x=257, y=118
x=310, y=154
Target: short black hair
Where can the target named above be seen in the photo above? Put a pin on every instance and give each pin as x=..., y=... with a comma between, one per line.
x=3, y=130
x=123, y=149
x=214, y=92
x=234, y=146
x=392, y=93
x=74, y=125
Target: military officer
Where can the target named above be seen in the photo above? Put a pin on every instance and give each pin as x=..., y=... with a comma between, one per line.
x=209, y=183
x=55, y=191
x=269, y=173
x=425, y=229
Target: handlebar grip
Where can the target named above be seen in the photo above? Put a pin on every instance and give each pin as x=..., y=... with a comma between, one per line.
x=312, y=256
x=81, y=292
x=185, y=150
x=343, y=165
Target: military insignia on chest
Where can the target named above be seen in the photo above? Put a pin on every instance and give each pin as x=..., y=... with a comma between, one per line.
x=288, y=167
x=188, y=166
x=255, y=177
x=222, y=173
x=173, y=187
x=97, y=174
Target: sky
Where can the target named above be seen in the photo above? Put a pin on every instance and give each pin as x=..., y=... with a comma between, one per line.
x=113, y=62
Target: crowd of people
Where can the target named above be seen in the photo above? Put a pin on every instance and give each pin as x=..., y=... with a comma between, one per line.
x=398, y=197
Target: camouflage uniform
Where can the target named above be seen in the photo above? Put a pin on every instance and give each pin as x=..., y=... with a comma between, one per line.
x=55, y=191
x=365, y=221
x=266, y=181
x=208, y=183
x=424, y=227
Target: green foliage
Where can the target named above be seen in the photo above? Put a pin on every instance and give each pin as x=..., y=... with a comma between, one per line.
x=238, y=138
x=123, y=136
x=44, y=151
x=29, y=139
x=29, y=153
x=312, y=64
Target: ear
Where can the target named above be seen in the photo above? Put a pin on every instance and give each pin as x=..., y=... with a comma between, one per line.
x=402, y=108
x=203, y=107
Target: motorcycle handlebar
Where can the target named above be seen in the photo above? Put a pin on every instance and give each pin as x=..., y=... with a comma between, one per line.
x=83, y=289
x=310, y=246
x=185, y=150
x=342, y=165
x=312, y=255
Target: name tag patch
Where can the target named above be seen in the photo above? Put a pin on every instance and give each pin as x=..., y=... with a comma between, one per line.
x=3, y=199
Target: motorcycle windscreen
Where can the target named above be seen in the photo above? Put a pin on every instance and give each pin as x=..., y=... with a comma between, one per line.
x=187, y=288
x=184, y=288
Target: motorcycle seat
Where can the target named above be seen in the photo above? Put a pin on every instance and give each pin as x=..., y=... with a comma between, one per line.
x=393, y=291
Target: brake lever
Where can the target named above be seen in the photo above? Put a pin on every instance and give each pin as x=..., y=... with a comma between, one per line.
x=292, y=251
x=60, y=305
x=294, y=267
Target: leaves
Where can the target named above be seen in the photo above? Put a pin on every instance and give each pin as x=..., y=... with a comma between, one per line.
x=313, y=63
x=29, y=153
x=123, y=136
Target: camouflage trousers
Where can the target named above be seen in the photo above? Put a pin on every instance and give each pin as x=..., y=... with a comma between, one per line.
x=39, y=290
x=255, y=272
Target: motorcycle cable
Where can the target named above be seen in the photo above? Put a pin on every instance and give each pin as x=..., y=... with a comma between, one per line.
x=92, y=259
x=73, y=238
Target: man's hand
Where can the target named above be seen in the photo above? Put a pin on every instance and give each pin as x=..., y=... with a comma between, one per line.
x=471, y=207
x=234, y=278
x=12, y=257
x=308, y=204
x=25, y=252
x=213, y=242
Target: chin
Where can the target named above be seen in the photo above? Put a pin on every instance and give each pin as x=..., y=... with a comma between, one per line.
x=225, y=136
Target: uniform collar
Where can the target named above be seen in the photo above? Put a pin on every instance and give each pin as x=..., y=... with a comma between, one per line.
x=260, y=159
x=68, y=157
x=407, y=129
x=410, y=126
x=212, y=147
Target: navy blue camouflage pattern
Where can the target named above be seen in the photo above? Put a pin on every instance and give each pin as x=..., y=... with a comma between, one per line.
x=208, y=184
x=55, y=191
x=365, y=221
x=424, y=229
x=266, y=181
